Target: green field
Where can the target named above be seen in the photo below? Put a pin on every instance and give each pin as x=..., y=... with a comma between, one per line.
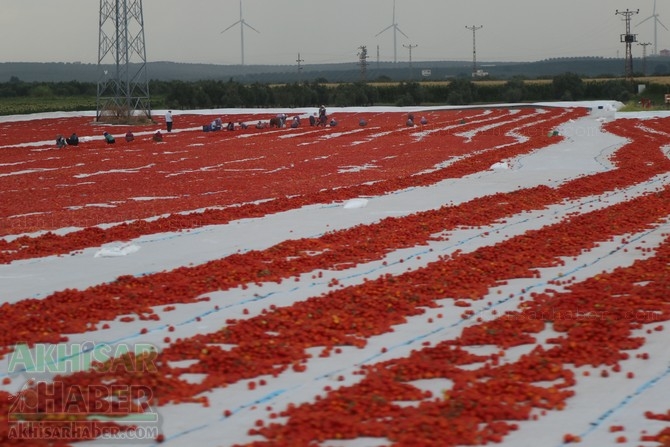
x=29, y=104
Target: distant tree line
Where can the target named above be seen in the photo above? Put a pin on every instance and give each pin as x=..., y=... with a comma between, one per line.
x=460, y=91
x=16, y=88
x=206, y=94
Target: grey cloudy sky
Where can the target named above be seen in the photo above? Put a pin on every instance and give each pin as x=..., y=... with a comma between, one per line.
x=329, y=31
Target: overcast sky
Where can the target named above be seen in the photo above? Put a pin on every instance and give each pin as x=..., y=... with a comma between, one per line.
x=329, y=31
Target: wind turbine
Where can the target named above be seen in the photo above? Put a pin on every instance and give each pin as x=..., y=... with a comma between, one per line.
x=657, y=22
x=396, y=30
x=242, y=24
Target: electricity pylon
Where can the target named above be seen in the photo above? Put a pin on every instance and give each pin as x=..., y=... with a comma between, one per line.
x=474, y=29
x=628, y=39
x=123, y=85
x=644, y=46
x=363, y=61
x=410, y=47
x=299, y=61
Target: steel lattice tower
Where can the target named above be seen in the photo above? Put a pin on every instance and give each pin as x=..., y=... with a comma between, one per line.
x=363, y=61
x=474, y=29
x=628, y=39
x=410, y=47
x=123, y=85
x=644, y=46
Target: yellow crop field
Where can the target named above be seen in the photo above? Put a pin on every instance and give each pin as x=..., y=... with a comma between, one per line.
x=662, y=80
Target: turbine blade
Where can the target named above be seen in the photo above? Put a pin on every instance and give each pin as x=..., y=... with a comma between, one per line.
x=388, y=27
x=400, y=31
x=249, y=26
x=640, y=23
x=661, y=23
x=230, y=26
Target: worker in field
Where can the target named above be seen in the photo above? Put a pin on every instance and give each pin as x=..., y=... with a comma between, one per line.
x=109, y=138
x=323, y=117
x=73, y=140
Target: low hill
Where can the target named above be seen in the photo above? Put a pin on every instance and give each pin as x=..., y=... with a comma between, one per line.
x=343, y=72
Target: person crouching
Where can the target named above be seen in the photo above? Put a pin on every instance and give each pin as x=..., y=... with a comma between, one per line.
x=109, y=138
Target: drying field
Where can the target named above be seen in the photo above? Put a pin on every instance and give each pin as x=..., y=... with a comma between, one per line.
x=498, y=275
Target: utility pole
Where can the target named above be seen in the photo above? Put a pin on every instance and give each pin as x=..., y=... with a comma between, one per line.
x=410, y=47
x=628, y=39
x=123, y=85
x=363, y=61
x=299, y=61
x=644, y=46
x=474, y=29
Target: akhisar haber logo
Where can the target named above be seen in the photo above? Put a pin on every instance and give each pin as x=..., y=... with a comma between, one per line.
x=59, y=408
x=68, y=358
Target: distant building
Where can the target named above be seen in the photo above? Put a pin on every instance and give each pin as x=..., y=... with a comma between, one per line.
x=480, y=73
x=665, y=53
